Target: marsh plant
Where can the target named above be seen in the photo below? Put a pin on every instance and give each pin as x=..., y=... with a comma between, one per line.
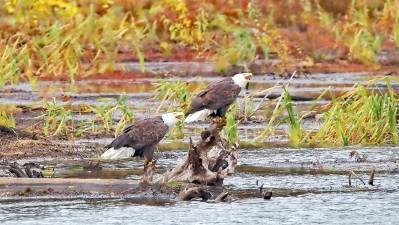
x=230, y=131
x=365, y=115
x=177, y=91
x=57, y=118
x=104, y=115
x=177, y=132
x=61, y=119
x=294, y=121
x=7, y=119
x=361, y=116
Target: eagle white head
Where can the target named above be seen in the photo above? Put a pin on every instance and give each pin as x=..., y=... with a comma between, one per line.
x=170, y=119
x=242, y=79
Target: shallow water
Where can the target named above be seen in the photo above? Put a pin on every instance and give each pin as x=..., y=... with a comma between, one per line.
x=306, y=87
x=319, y=175
x=329, y=208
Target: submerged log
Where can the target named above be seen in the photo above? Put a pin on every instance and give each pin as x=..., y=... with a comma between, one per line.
x=31, y=170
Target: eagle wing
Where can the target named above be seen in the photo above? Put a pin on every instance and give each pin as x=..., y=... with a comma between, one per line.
x=216, y=96
x=140, y=134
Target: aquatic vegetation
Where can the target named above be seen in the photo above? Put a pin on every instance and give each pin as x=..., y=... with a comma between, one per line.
x=273, y=120
x=230, y=131
x=61, y=119
x=59, y=42
x=296, y=132
x=359, y=117
x=7, y=119
x=104, y=115
x=365, y=115
x=127, y=116
x=57, y=118
x=177, y=91
x=365, y=46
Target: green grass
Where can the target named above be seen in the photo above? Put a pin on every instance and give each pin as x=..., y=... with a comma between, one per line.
x=295, y=132
x=57, y=118
x=230, y=131
x=7, y=119
x=61, y=119
x=360, y=117
x=363, y=116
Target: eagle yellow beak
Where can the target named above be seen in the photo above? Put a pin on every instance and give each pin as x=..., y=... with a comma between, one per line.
x=248, y=76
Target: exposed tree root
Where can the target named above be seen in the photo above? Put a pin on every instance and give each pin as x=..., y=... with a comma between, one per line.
x=29, y=170
x=203, y=167
x=193, y=193
x=207, y=163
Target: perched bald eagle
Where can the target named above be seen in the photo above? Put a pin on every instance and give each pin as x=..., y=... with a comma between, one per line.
x=141, y=137
x=216, y=99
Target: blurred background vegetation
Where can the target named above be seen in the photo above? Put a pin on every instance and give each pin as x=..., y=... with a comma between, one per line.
x=60, y=39
x=69, y=40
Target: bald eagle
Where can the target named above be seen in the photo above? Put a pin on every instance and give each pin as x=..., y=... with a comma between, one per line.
x=141, y=137
x=216, y=99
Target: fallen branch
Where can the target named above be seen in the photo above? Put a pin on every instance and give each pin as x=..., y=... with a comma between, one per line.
x=222, y=197
x=356, y=176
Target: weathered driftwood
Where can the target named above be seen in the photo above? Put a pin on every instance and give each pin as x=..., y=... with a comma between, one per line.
x=207, y=162
x=31, y=170
x=194, y=192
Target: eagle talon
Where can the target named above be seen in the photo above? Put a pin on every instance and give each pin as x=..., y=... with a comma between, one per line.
x=220, y=120
x=149, y=163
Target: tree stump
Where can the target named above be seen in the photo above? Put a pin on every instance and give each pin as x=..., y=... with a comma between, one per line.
x=207, y=162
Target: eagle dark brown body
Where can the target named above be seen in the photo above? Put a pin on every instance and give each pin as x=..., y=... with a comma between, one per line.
x=142, y=136
x=217, y=97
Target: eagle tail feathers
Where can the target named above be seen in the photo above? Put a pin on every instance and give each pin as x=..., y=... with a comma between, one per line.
x=198, y=116
x=120, y=153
